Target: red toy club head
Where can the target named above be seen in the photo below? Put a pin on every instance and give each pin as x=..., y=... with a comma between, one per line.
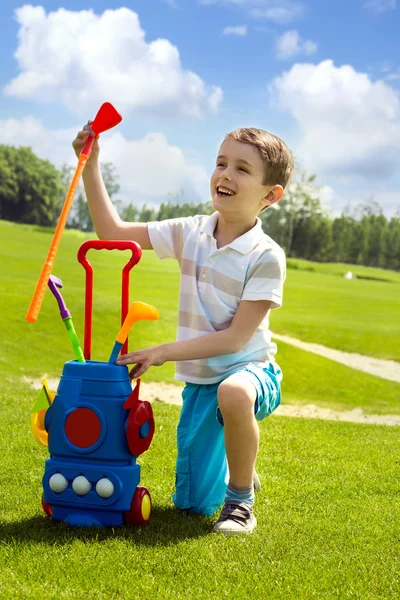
x=106, y=118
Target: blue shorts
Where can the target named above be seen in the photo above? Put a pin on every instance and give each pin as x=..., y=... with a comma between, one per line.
x=201, y=466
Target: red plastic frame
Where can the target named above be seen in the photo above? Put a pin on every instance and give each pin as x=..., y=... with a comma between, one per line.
x=106, y=245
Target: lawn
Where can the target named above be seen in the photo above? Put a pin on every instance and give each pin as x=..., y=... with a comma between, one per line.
x=359, y=315
x=328, y=512
x=43, y=347
x=328, y=522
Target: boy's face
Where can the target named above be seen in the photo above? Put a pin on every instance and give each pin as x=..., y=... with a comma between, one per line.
x=237, y=182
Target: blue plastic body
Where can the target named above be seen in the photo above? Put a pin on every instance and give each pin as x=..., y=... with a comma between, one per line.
x=101, y=388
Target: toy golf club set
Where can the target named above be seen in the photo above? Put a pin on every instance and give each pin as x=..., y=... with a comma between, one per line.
x=95, y=426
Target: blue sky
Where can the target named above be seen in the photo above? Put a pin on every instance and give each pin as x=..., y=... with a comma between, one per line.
x=325, y=76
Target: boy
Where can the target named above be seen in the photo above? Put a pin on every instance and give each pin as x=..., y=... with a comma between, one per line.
x=232, y=275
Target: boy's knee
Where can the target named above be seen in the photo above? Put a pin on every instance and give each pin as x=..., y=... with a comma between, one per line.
x=236, y=397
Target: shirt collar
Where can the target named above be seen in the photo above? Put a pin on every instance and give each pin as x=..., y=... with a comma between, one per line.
x=243, y=244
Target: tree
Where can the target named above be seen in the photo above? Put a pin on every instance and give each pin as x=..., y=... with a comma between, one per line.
x=393, y=244
x=147, y=214
x=110, y=178
x=30, y=187
x=80, y=216
x=129, y=213
x=288, y=221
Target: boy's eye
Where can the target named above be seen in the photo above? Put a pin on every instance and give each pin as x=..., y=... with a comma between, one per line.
x=243, y=169
x=220, y=164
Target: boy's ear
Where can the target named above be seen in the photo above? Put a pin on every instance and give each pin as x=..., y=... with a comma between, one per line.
x=274, y=195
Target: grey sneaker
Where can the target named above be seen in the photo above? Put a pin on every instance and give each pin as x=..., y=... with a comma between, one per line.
x=236, y=518
x=256, y=482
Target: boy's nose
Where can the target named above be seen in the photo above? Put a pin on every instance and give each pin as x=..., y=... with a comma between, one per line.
x=225, y=175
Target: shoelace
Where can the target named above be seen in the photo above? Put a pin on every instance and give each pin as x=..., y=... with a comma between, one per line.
x=239, y=512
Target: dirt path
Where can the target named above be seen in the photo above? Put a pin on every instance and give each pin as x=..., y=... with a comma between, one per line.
x=388, y=369
x=171, y=394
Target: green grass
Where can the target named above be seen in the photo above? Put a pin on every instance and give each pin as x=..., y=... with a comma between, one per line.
x=361, y=315
x=340, y=269
x=312, y=379
x=328, y=522
x=42, y=348
x=354, y=316
x=328, y=513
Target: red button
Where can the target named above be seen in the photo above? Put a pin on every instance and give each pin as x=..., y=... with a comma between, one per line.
x=83, y=427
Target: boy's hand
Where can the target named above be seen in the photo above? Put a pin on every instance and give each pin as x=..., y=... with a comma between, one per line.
x=80, y=141
x=143, y=359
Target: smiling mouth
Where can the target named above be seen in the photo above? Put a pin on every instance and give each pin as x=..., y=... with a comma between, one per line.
x=224, y=192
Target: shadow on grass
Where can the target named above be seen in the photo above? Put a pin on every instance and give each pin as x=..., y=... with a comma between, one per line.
x=167, y=525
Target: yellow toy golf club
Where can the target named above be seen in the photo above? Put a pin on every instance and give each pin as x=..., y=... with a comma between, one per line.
x=139, y=311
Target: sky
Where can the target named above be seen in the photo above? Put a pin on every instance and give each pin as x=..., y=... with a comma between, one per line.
x=322, y=75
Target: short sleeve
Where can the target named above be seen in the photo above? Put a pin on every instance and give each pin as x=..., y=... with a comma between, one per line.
x=266, y=277
x=167, y=237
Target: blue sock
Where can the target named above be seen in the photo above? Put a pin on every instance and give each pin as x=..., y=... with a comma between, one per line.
x=244, y=494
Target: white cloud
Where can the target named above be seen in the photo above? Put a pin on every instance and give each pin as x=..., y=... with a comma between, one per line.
x=279, y=11
x=291, y=44
x=53, y=145
x=149, y=168
x=240, y=30
x=380, y=6
x=388, y=198
x=82, y=59
x=349, y=126
x=351, y=197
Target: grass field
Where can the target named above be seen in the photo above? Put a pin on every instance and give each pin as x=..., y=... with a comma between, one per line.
x=328, y=512
x=328, y=522
x=310, y=299
x=352, y=315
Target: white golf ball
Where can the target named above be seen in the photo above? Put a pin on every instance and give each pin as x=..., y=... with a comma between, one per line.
x=58, y=483
x=105, y=488
x=81, y=485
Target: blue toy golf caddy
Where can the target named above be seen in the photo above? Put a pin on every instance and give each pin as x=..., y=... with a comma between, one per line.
x=95, y=426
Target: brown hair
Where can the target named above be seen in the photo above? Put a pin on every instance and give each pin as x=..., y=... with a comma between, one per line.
x=277, y=158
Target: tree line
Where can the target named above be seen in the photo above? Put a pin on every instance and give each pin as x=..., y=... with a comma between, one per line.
x=32, y=190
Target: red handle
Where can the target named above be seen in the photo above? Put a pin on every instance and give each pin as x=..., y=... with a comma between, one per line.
x=107, y=118
x=106, y=245
x=87, y=148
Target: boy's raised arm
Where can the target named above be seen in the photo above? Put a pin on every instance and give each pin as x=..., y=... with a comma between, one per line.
x=106, y=221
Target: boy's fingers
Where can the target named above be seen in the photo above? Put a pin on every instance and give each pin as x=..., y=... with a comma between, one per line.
x=125, y=359
x=83, y=135
x=138, y=370
x=87, y=129
x=144, y=367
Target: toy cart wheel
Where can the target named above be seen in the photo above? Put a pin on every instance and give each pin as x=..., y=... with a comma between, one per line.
x=47, y=508
x=141, y=508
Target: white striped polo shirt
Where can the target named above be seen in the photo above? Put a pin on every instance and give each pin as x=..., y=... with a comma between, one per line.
x=213, y=283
